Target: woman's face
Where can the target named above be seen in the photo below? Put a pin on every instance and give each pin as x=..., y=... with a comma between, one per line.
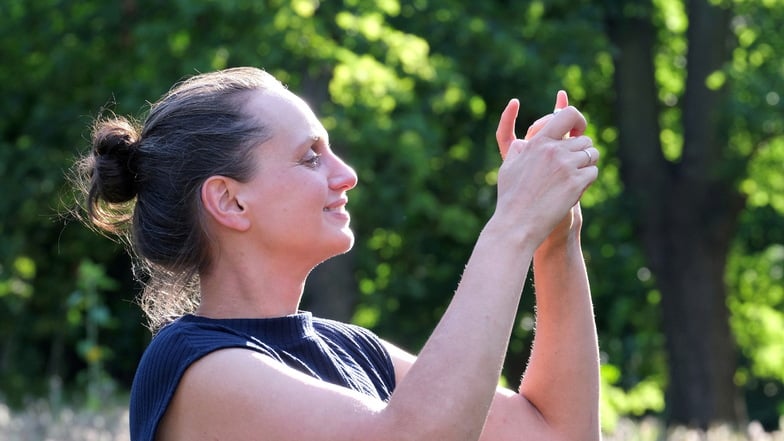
x=297, y=196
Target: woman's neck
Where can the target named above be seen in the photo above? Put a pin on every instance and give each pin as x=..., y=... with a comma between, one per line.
x=251, y=289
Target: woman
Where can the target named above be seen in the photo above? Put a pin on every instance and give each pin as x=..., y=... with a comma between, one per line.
x=230, y=195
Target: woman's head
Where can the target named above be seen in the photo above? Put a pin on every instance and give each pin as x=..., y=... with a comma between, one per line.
x=292, y=210
x=144, y=183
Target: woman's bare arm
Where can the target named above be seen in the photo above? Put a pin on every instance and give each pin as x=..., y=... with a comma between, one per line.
x=562, y=378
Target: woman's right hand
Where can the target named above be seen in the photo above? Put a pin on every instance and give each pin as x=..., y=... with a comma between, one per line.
x=543, y=177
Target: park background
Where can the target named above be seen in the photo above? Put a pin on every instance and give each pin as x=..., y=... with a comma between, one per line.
x=683, y=235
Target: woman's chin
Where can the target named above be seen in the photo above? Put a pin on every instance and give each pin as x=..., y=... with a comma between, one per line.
x=348, y=244
x=342, y=244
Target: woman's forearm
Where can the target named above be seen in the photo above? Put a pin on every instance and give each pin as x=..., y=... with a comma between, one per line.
x=562, y=378
x=452, y=383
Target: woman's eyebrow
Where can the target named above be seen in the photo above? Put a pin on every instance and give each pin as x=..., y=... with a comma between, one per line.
x=317, y=138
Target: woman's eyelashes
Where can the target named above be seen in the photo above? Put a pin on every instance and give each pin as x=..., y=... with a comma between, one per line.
x=311, y=159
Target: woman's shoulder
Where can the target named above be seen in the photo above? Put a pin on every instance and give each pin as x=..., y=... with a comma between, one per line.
x=172, y=350
x=178, y=344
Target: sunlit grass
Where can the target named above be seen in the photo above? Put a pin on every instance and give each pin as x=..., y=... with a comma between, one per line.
x=40, y=422
x=651, y=429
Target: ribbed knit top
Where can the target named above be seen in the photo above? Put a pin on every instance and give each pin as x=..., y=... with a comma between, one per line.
x=338, y=353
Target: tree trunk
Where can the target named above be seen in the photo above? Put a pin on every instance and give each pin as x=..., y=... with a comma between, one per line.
x=689, y=260
x=685, y=212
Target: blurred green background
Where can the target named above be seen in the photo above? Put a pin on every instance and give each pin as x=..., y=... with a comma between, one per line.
x=684, y=231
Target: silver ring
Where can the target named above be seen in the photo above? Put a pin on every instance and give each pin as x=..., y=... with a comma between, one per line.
x=590, y=158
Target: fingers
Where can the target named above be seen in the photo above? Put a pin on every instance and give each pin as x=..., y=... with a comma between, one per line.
x=565, y=123
x=537, y=126
x=587, y=157
x=584, y=154
x=577, y=143
x=568, y=121
x=505, y=133
x=581, y=152
x=561, y=101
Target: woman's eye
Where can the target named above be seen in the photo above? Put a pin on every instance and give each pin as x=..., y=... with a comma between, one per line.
x=313, y=160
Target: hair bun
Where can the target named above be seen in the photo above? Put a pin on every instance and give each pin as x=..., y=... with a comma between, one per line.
x=115, y=144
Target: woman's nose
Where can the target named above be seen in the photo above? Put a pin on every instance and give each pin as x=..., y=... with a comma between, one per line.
x=343, y=177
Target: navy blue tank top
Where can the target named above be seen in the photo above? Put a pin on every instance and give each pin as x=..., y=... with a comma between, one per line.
x=338, y=353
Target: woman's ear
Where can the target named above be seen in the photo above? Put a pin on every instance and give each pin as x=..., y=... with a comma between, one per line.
x=219, y=197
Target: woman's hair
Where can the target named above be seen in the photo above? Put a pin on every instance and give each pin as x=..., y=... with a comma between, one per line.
x=142, y=183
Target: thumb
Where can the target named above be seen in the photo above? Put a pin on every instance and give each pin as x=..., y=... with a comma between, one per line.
x=505, y=133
